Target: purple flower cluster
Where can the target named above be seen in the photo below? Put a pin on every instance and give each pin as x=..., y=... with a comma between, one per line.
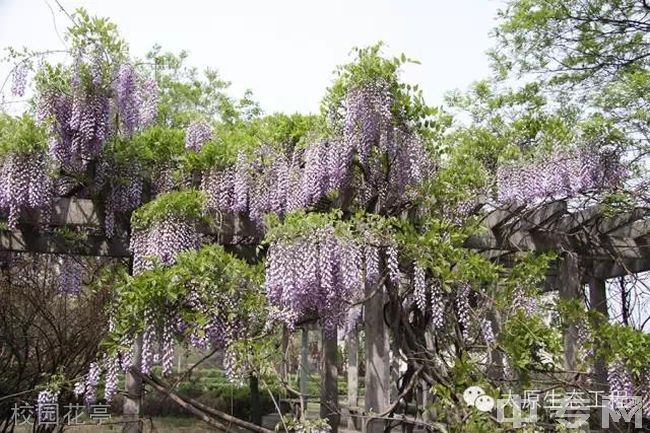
x=79, y=388
x=392, y=263
x=19, y=79
x=126, y=355
x=314, y=276
x=419, y=288
x=148, y=342
x=369, y=120
x=110, y=366
x=167, y=350
x=136, y=99
x=196, y=135
x=241, y=184
x=437, y=305
x=271, y=181
x=266, y=182
x=463, y=308
x=125, y=183
x=162, y=241
x=70, y=275
x=25, y=184
x=644, y=390
x=110, y=380
x=92, y=381
x=487, y=331
x=235, y=369
x=621, y=389
x=521, y=300
x=560, y=175
x=371, y=130
x=79, y=122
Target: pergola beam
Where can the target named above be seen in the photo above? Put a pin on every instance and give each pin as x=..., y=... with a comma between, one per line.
x=27, y=240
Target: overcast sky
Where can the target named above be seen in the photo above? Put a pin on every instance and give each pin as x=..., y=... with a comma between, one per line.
x=284, y=50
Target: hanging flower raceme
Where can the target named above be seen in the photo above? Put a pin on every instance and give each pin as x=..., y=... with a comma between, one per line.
x=25, y=185
x=79, y=121
x=419, y=288
x=196, y=135
x=464, y=309
x=437, y=305
x=269, y=180
x=110, y=385
x=148, y=343
x=162, y=241
x=524, y=301
x=560, y=175
x=487, y=331
x=136, y=99
x=92, y=381
x=25, y=182
x=376, y=134
x=19, y=79
x=124, y=183
x=621, y=388
x=368, y=119
x=315, y=276
x=428, y=295
x=70, y=275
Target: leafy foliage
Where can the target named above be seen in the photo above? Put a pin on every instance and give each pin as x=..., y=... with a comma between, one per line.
x=20, y=135
x=187, y=204
x=211, y=274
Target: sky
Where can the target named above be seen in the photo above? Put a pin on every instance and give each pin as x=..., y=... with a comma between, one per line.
x=283, y=50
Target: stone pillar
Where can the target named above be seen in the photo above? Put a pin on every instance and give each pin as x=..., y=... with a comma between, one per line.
x=598, y=303
x=133, y=397
x=304, y=368
x=569, y=290
x=353, y=371
x=377, y=359
x=329, y=399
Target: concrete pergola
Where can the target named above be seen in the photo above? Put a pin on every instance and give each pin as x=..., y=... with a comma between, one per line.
x=591, y=244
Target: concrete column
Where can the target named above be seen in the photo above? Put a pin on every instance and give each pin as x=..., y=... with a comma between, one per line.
x=304, y=368
x=329, y=400
x=353, y=371
x=569, y=290
x=377, y=359
x=598, y=303
x=133, y=397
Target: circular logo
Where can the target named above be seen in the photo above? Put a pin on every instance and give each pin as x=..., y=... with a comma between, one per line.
x=484, y=403
x=471, y=394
